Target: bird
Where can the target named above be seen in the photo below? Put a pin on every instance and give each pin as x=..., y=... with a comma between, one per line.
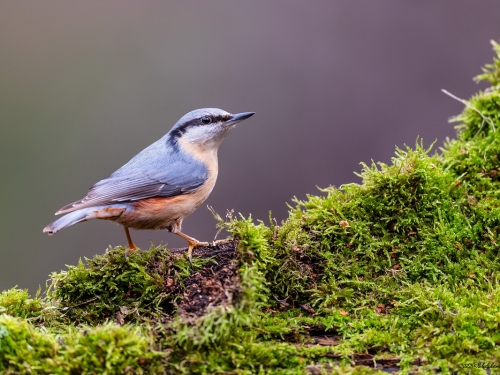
x=161, y=185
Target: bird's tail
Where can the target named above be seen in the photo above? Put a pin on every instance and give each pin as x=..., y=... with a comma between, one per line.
x=101, y=212
x=67, y=221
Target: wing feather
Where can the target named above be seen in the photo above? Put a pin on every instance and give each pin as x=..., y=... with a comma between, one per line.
x=157, y=171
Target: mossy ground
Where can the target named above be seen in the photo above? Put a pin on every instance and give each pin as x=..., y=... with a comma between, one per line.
x=398, y=273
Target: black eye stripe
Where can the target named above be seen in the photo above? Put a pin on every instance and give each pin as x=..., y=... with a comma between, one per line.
x=197, y=122
x=215, y=119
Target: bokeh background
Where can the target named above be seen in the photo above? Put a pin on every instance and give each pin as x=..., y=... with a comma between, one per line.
x=86, y=85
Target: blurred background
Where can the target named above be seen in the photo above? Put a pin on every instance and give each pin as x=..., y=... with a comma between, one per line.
x=84, y=86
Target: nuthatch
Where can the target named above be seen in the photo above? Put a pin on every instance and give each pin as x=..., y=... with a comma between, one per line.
x=161, y=185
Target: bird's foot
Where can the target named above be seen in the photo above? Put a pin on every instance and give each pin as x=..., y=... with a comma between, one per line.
x=129, y=250
x=191, y=245
x=131, y=245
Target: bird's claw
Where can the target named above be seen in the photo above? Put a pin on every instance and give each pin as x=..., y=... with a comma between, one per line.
x=191, y=246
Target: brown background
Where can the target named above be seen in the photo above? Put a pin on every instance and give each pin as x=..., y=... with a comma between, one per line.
x=86, y=85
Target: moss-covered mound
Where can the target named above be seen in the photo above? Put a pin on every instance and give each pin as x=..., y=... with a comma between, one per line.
x=398, y=273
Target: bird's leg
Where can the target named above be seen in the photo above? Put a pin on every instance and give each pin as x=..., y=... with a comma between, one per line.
x=131, y=245
x=192, y=243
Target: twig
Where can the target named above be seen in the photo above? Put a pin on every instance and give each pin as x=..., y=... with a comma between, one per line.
x=466, y=103
x=441, y=307
x=282, y=301
x=68, y=308
x=444, y=312
x=479, y=130
x=81, y=303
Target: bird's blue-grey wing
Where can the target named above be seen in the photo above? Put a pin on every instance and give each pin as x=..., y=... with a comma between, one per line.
x=156, y=171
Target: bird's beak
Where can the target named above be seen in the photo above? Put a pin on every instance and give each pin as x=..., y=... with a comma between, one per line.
x=239, y=117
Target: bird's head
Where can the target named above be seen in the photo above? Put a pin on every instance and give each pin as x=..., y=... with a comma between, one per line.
x=206, y=127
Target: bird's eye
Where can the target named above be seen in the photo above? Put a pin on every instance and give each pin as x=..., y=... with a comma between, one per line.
x=206, y=120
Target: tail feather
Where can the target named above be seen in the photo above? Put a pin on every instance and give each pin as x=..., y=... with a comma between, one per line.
x=100, y=212
x=66, y=221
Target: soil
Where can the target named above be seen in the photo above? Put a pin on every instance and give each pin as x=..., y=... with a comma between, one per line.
x=216, y=284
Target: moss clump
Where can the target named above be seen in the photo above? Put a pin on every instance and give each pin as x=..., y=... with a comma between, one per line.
x=17, y=302
x=400, y=270
x=413, y=221
x=107, y=349
x=97, y=291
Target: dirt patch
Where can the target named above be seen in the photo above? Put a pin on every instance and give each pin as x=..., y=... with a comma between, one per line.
x=326, y=340
x=387, y=365
x=217, y=283
x=319, y=336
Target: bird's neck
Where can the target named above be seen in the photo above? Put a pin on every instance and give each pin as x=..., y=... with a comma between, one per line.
x=207, y=154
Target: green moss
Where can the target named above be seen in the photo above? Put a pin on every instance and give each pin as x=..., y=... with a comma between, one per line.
x=17, y=302
x=107, y=284
x=108, y=349
x=491, y=72
x=400, y=269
